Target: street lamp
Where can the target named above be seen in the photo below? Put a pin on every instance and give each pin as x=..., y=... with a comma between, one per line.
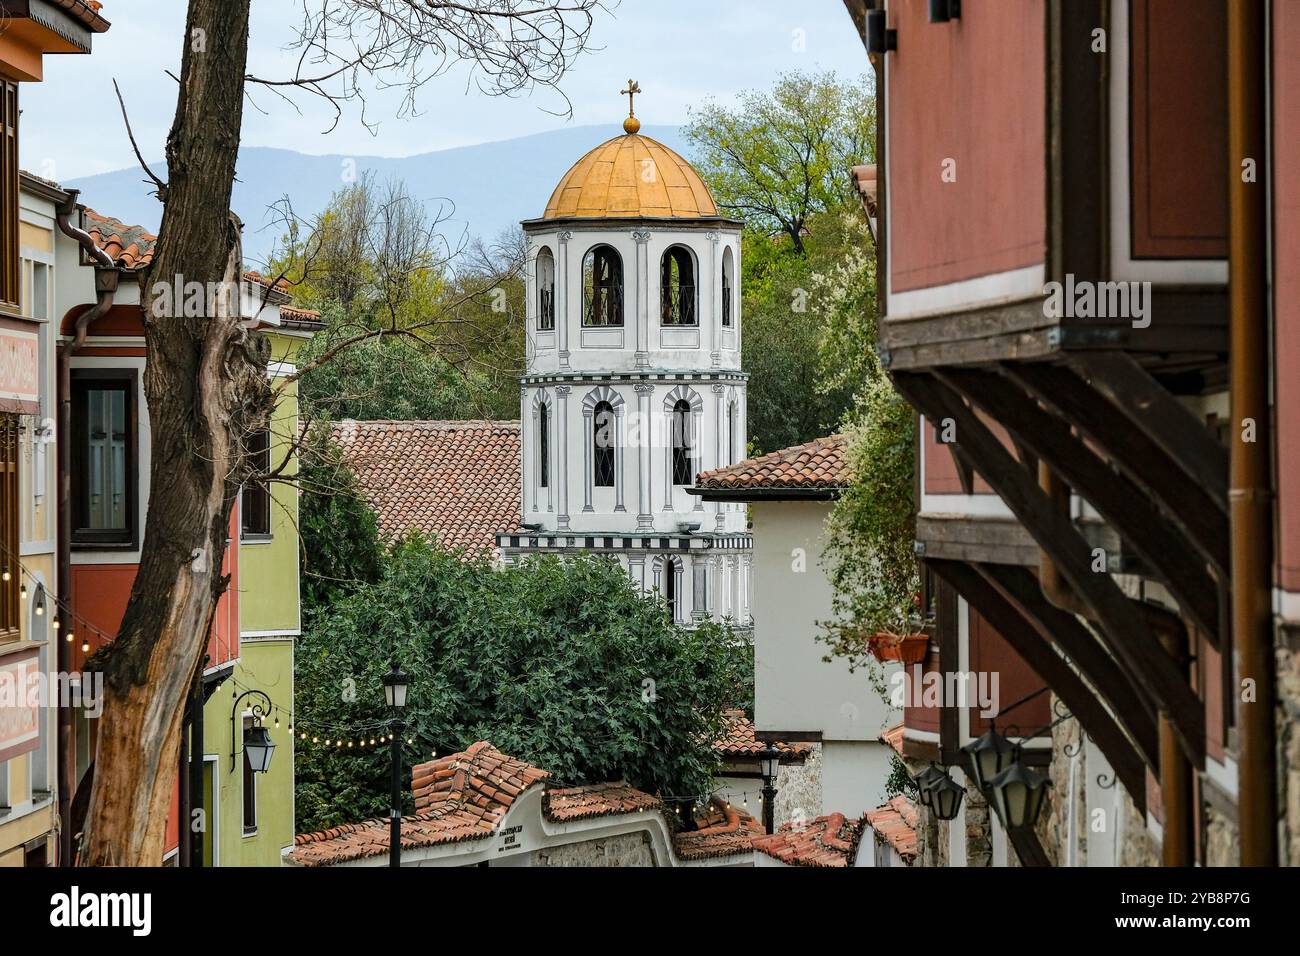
x=946, y=797
x=396, y=683
x=926, y=779
x=1017, y=795
x=258, y=748
x=769, y=762
x=989, y=755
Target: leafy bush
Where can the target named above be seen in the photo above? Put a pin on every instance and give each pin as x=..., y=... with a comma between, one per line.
x=561, y=663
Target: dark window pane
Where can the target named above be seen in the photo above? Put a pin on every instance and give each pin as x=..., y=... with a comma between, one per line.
x=604, y=438
x=103, y=461
x=255, y=508
x=683, y=454
x=543, y=447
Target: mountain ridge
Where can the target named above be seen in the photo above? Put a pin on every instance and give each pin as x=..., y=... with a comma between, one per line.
x=490, y=186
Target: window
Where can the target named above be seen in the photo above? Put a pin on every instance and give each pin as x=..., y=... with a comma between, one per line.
x=545, y=290
x=103, y=458
x=543, y=447
x=250, y=787
x=10, y=276
x=602, y=287
x=677, y=287
x=603, y=439
x=683, y=453
x=728, y=283
x=10, y=604
x=255, y=502
x=670, y=589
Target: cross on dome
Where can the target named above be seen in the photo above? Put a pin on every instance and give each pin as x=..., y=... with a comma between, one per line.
x=631, y=124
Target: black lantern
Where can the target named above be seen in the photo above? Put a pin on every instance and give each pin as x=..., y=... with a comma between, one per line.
x=945, y=798
x=1017, y=795
x=989, y=756
x=258, y=747
x=926, y=779
x=396, y=683
x=769, y=764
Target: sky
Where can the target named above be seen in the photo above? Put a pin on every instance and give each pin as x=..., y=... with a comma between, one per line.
x=682, y=52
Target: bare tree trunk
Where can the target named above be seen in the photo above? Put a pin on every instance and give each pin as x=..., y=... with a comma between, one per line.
x=206, y=387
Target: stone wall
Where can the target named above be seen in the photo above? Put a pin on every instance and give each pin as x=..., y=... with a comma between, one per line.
x=799, y=790
x=1288, y=739
x=628, y=849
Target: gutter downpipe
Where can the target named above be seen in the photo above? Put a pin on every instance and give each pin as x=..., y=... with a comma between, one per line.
x=1250, y=492
x=106, y=276
x=1177, y=847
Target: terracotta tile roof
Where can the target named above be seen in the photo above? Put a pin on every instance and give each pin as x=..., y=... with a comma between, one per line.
x=816, y=465
x=721, y=830
x=456, y=481
x=893, y=737
x=86, y=11
x=739, y=741
x=865, y=182
x=826, y=841
x=599, y=800
x=895, y=823
x=459, y=797
x=130, y=247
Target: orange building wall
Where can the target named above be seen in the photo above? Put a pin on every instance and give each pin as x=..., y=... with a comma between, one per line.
x=1286, y=292
x=973, y=90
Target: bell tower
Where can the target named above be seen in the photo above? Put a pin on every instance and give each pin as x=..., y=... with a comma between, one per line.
x=633, y=380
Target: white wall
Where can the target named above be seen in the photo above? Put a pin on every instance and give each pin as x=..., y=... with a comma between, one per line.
x=794, y=689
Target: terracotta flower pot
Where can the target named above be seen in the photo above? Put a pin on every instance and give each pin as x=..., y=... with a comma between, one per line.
x=912, y=648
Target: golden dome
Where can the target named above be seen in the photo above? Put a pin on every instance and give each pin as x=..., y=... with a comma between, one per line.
x=631, y=177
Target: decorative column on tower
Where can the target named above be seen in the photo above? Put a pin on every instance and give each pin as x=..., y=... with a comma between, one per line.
x=642, y=298
x=562, y=307
x=562, y=420
x=644, y=446
x=620, y=446
x=715, y=307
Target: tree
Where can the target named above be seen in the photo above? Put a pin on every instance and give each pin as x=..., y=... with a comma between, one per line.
x=563, y=663
x=205, y=380
x=782, y=156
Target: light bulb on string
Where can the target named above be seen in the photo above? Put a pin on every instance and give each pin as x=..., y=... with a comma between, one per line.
x=6, y=576
x=22, y=591
x=85, y=646
x=40, y=600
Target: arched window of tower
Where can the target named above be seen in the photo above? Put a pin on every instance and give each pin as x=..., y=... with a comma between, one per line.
x=728, y=284
x=603, y=445
x=602, y=287
x=543, y=446
x=683, y=452
x=545, y=290
x=677, y=287
x=671, y=568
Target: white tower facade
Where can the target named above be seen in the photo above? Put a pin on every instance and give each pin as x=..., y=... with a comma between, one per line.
x=633, y=382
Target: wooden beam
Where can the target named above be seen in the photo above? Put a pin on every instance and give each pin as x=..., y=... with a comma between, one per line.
x=1019, y=588
x=1166, y=421
x=1055, y=671
x=1120, y=623
x=1027, y=846
x=1161, y=544
x=1145, y=462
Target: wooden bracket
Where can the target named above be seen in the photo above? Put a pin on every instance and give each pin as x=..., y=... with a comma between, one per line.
x=1120, y=624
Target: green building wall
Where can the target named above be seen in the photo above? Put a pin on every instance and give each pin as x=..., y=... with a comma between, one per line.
x=270, y=622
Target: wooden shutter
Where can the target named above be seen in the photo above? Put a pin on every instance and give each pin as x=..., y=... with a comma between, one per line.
x=9, y=277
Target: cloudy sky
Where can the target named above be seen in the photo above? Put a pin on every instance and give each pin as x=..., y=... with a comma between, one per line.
x=681, y=52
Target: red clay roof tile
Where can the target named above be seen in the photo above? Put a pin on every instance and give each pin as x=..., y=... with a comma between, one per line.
x=455, y=481
x=738, y=740
x=818, y=464
x=829, y=841
x=895, y=823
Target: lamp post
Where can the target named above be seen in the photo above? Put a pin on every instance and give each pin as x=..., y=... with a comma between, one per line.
x=258, y=745
x=396, y=683
x=769, y=762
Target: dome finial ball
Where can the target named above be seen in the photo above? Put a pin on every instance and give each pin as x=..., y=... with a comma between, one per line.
x=631, y=125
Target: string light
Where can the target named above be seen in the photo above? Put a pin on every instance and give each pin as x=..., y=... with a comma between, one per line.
x=22, y=591
x=85, y=645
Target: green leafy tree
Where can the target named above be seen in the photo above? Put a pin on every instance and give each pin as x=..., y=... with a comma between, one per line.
x=783, y=155
x=339, y=534
x=561, y=663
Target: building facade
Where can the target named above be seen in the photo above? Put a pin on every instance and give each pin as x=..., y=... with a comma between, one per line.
x=30, y=657
x=633, y=380
x=224, y=811
x=1087, y=276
